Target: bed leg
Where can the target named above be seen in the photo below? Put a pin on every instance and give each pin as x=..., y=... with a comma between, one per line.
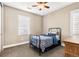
x=39, y=46
x=39, y=52
x=30, y=40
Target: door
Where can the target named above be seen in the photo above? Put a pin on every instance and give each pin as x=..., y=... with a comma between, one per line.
x=0, y=27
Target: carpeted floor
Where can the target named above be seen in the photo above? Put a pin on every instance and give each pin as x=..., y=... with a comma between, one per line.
x=26, y=51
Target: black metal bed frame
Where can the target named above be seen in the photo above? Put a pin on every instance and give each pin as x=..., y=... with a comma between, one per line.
x=48, y=48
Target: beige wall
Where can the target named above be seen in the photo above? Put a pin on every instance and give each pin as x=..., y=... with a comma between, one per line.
x=60, y=18
x=11, y=25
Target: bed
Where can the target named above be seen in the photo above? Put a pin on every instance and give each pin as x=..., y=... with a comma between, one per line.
x=45, y=42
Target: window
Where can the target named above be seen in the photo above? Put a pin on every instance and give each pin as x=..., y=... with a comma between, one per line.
x=75, y=22
x=23, y=25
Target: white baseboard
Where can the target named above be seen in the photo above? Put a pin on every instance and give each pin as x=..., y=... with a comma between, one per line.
x=12, y=45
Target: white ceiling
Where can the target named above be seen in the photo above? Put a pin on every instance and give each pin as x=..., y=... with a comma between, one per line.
x=27, y=6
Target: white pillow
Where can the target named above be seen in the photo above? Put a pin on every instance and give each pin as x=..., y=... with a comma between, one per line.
x=57, y=36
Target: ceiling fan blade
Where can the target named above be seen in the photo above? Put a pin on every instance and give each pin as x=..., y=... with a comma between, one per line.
x=39, y=2
x=46, y=6
x=34, y=5
x=42, y=2
x=45, y=2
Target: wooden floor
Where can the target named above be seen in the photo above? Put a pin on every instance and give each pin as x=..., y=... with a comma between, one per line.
x=25, y=51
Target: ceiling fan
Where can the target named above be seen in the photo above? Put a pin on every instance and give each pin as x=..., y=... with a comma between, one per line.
x=41, y=5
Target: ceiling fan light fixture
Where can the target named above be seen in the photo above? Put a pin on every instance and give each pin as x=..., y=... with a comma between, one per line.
x=41, y=5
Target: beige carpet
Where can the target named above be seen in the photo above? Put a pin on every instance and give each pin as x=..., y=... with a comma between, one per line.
x=26, y=51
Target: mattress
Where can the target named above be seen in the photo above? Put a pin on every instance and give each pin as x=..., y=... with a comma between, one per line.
x=45, y=41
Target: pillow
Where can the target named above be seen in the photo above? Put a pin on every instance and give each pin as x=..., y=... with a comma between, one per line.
x=57, y=36
x=51, y=34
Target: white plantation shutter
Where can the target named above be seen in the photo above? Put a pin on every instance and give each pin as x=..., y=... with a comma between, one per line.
x=75, y=22
x=23, y=25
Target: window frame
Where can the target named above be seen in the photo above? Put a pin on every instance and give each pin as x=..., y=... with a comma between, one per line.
x=71, y=24
x=21, y=28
